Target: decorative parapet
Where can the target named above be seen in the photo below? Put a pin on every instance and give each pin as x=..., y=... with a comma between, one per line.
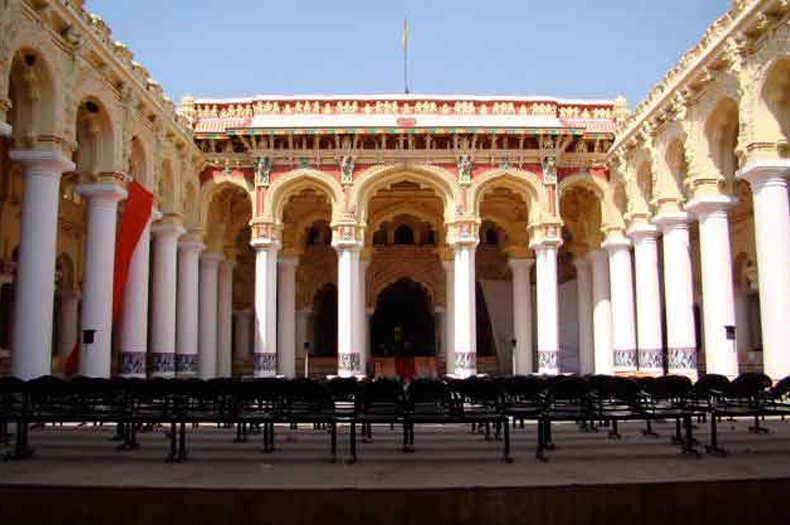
x=726, y=36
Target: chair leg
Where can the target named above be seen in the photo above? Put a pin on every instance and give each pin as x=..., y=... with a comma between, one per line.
x=333, y=425
x=353, y=441
x=506, y=425
x=540, y=453
x=171, y=457
x=614, y=432
x=713, y=447
x=757, y=429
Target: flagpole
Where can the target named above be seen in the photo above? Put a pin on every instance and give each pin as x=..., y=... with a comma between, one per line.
x=405, y=56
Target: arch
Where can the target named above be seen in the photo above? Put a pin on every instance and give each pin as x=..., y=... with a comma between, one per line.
x=370, y=181
x=95, y=137
x=208, y=191
x=610, y=214
x=138, y=162
x=772, y=116
x=294, y=182
x=403, y=320
x=404, y=235
x=382, y=281
x=721, y=129
x=523, y=183
x=33, y=91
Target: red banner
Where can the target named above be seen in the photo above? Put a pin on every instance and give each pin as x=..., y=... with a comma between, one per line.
x=139, y=205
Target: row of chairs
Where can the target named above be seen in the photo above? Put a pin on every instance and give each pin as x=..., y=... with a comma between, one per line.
x=483, y=402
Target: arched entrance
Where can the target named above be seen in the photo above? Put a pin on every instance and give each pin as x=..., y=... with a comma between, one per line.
x=403, y=323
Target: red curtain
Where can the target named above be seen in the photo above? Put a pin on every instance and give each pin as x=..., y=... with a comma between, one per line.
x=139, y=205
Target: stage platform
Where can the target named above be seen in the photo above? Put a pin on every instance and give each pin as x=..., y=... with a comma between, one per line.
x=76, y=476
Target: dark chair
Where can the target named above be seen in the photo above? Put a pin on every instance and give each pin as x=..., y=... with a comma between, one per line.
x=381, y=401
x=746, y=396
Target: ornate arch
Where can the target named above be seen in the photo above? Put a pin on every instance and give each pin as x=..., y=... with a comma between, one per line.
x=442, y=181
x=610, y=215
x=293, y=182
x=382, y=280
x=523, y=183
x=213, y=187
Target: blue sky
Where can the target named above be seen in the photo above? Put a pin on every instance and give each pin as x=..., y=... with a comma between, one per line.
x=564, y=48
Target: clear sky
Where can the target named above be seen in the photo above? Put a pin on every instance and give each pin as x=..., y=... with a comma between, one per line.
x=564, y=48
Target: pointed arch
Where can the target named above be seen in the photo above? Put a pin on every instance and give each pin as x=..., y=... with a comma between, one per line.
x=610, y=214
x=523, y=183
x=294, y=182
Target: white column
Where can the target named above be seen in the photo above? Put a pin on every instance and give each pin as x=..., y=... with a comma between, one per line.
x=449, y=338
x=242, y=331
x=678, y=295
x=621, y=283
x=348, y=358
x=547, y=308
x=585, y=309
x=303, y=335
x=522, y=315
x=161, y=355
x=772, y=236
x=362, y=325
x=648, y=299
x=6, y=130
x=265, y=355
x=97, y=286
x=187, y=309
x=602, y=313
x=225, y=319
x=134, y=309
x=207, y=308
x=68, y=325
x=718, y=298
x=287, y=317
x=464, y=309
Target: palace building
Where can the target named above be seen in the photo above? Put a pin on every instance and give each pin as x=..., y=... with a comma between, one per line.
x=391, y=234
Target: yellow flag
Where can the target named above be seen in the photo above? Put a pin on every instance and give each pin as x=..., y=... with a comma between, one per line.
x=405, y=34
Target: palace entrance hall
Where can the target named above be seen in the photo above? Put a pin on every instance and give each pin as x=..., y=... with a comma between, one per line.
x=391, y=235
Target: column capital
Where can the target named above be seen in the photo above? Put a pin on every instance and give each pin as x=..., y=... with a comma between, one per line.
x=105, y=192
x=211, y=258
x=5, y=129
x=167, y=229
x=545, y=235
x=448, y=265
x=227, y=265
x=264, y=244
x=288, y=261
x=520, y=262
x=615, y=240
x=345, y=236
x=641, y=231
x=761, y=172
x=44, y=162
x=667, y=221
x=705, y=206
x=191, y=246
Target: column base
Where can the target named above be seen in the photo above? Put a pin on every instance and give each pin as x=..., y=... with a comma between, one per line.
x=5, y=129
x=651, y=361
x=162, y=364
x=683, y=362
x=186, y=365
x=465, y=364
x=624, y=360
x=132, y=364
x=349, y=365
x=265, y=365
x=549, y=362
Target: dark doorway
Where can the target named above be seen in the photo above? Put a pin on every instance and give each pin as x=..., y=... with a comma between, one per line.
x=325, y=309
x=403, y=323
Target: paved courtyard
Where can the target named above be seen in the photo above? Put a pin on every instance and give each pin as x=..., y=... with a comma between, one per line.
x=445, y=457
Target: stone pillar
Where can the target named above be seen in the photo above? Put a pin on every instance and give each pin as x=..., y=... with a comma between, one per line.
x=449, y=337
x=287, y=317
x=242, y=348
x=718, y=298
x=161, y=355
x=68, y=327
x=362, y=326
x=547, y=308
x=585, y=309
x=678, y=295
x=603, y=357
x=97, y=285
x=187, y=309
x=134, y=310
x=522, y=315
x=622, y=286
x=265, y=355
x=207, y=308
x=648, y=299
x=304, y=336
x=225, y=319
x=348, y=356
x=464, y=309
x=772, y=236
